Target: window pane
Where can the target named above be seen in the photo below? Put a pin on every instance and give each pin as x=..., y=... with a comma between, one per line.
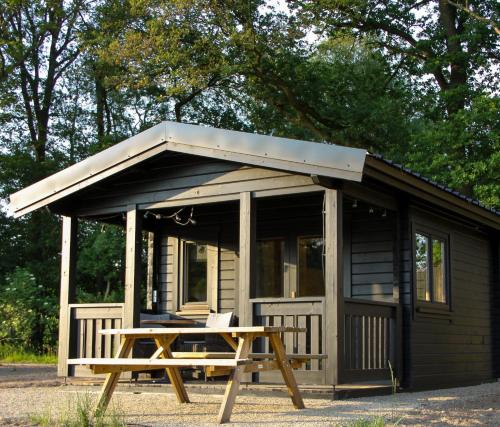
x=438, y=270
x=311, y=281
x=196, y=272
x=269, y=280
x=422, y=268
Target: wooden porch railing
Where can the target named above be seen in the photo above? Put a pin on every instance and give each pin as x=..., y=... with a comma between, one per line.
x=370, y=340
x=85, y=322
x=306, y=312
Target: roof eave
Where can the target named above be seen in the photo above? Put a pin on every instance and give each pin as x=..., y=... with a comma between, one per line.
x=380, y=170
x=246, y=148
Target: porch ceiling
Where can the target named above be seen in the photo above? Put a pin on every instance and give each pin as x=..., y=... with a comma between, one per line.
x=259, y=150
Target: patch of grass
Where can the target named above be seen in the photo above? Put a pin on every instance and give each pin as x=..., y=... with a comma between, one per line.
x=369, y=422
x=11, y=354
x=375, y=422
x=81, y=413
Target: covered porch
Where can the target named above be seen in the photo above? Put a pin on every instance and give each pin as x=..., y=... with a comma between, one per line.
x=325, y=259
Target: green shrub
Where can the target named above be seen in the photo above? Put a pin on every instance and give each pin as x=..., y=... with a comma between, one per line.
x=28, y=314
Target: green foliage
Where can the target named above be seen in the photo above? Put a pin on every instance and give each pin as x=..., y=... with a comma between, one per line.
x=28, y=313
x=101, y=262
x=463, y=150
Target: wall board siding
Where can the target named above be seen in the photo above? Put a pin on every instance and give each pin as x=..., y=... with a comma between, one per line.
x=372, y=253
x=197, y=178
x=455, y=348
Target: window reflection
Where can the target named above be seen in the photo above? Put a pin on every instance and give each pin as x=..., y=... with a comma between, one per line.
x=269, y=280
x=196, y=272
x=422, y=268
x=438, y=270
x=311, y=280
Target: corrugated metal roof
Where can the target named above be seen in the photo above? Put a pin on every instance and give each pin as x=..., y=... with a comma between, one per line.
x=246, y=148
x=434, y=183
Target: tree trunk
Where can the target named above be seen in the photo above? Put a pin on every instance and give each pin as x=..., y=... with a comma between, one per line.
x=455, y=94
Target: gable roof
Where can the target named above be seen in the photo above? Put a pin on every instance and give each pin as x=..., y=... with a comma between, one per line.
x=259, y=150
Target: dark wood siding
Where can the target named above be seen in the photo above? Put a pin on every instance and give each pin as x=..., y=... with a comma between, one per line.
x=495, y=253
x=166, y=274
x=455, y=347
x=372, y=251
x=405, y=292
x=181, y=179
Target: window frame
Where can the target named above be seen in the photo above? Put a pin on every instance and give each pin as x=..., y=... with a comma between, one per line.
x=432, y=234
x=213, y=265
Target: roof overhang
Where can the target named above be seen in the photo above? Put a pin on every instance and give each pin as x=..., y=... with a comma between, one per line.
x=425, y=190
x=259, y=150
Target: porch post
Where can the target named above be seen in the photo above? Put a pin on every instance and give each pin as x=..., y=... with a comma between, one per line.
x=132, y=268
x=67, y=292
x=247, y=244
x=334, y=296
x=150, y=273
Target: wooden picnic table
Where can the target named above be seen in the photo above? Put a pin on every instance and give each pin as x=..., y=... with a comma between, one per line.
x=235, y=364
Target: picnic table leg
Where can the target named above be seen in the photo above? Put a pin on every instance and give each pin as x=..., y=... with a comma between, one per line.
x=174, y=374
x=234, y=380
x=232, y=343
x=112, y=379
x=286, y=370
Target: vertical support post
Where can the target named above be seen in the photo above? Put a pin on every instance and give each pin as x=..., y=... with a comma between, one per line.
x=133, y=245
x=150, y=273
x=247, y=245
x=334, y=295
x=68, y=291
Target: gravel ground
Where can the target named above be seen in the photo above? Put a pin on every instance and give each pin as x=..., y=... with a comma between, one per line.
x=29, y=390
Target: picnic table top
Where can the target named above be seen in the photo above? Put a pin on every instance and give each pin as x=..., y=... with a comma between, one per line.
x=180, y=331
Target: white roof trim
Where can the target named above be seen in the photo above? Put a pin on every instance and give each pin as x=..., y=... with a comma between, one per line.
x=246, y=148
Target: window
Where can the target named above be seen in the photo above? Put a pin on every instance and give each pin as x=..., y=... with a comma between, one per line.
x=195, y=272
x=269, y=263
x=311, y=279
x=431, y=268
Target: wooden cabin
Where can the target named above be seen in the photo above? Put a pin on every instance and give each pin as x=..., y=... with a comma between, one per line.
x=378, y=263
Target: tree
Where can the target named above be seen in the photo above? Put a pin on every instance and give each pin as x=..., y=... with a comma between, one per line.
x=424, y=37
x=171, y=52
x=39, y=44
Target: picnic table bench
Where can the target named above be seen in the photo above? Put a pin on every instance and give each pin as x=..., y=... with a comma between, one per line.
x=234, y=364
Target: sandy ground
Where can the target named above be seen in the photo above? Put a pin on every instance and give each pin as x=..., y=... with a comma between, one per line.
x=145, y=406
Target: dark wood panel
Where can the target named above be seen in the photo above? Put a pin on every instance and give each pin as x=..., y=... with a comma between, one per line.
x=457, y=349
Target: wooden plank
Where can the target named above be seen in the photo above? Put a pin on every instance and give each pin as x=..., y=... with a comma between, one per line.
x=158, y=363
x=233, y=384
x=247, y=249
x=234, y=330
x=150, y=271
x=173, y=373
x=112, y=379
x=67, y=292
x=286, y=370
x=108, y=323
x=315, y=340
x=133, y=249
x=98, y=339
x=227, y=337
x=333, y=284
x=90, y=334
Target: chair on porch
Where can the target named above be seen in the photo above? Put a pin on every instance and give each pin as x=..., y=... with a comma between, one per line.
x=209, y=342
x=212, y=342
